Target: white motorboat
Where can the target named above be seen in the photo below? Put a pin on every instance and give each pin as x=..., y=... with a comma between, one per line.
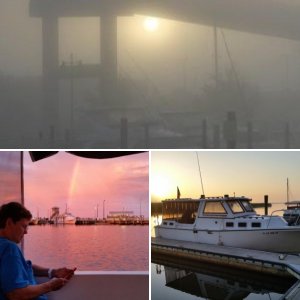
x=292, y=212
x=65, y=219
x=228, y=221
x=68, y=218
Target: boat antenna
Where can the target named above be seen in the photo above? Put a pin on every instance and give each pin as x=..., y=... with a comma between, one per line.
x=200, y=174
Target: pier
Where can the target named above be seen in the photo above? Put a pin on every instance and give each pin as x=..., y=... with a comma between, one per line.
x=279, y=264
x=85, y=221
x=125, y=218
x=135, y=220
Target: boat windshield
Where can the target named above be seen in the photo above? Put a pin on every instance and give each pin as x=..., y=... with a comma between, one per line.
x=214, y=207
x=247, y=205
x=235, y=206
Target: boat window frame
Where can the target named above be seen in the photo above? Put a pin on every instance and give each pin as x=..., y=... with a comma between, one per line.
x=236, y=201
x=215, y=213
x=229, y=224
x=256, y=225
x=244, y=206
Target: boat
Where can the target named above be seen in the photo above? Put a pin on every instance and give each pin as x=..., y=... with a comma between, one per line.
x=292, y=213
x=66, y=219
x=69, y=218
x=34, y=221
x=226, y=221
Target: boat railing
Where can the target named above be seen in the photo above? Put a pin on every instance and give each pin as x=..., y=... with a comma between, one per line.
x=271, y=216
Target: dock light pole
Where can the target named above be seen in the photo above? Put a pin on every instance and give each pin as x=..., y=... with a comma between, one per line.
x=103, y=209
x=97, y=212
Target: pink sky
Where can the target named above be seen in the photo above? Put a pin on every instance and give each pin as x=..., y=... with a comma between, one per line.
x=10, y=180
x=80, y=183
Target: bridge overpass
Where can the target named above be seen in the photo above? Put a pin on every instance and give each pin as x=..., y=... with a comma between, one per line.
x=279, y=18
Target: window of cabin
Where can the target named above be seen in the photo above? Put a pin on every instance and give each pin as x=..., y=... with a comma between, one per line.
x=242, y=224
x=235, y=206
x=246, y=204
x=256, y=224
x=214, y=207
x=229, y=224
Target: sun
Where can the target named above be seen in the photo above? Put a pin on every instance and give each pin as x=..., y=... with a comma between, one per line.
x=151, y=24
x=161, y=187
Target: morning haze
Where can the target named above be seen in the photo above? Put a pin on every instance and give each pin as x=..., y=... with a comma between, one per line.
x=199, y=74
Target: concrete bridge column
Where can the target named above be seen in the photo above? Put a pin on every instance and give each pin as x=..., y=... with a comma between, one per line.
x=108, y=55
x=50, y=77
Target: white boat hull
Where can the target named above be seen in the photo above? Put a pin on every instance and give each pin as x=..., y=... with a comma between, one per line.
x=275, y=240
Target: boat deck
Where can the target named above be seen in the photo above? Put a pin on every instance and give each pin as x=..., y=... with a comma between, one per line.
x=238, y=257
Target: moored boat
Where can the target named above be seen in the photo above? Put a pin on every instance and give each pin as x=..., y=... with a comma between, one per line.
x=228, y=221
x=292, y=212
x=66, y=218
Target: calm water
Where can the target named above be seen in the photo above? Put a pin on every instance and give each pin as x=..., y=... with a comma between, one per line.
x=170, y=281
x=96, y=247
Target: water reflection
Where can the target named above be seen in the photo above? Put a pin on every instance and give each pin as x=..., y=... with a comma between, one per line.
x=187, y=280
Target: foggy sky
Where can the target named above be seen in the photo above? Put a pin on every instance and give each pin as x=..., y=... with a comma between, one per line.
x=171, y=69
x=175, y=47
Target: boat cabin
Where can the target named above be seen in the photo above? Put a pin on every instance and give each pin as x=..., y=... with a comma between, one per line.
x=186, y=210
x=293, y=204
x=226, y=207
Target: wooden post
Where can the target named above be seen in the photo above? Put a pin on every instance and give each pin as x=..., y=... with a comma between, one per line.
x=124, y=133
x=40, y=136
x=287, y=136
x=52, y=135
x=230, y=130
x=67, y=135
x=249, y=135
x=50, y=76
x=216, y=137
x=147, y=137
x=266, y=201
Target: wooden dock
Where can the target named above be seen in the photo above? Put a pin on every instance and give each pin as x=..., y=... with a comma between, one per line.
x=260, y=261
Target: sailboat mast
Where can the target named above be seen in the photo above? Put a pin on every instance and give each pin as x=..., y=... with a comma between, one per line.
x=287, y=190
x=200, y=174
x=216, y=56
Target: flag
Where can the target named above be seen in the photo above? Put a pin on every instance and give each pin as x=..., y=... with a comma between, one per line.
x=178, y=193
